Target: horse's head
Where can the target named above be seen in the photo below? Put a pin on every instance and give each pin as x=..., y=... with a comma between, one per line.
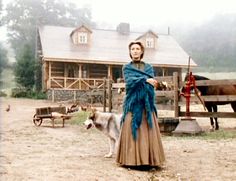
x=191, y=77
x=186, y=79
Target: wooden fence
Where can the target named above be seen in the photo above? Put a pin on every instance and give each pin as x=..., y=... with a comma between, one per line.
x=172, y=96
x=166, y=99
x=74, y=83
x=210, y=98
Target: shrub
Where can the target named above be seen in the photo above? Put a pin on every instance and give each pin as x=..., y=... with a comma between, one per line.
x=3, y=94
x=18, y=92
x=79, y=117
x=27, y=93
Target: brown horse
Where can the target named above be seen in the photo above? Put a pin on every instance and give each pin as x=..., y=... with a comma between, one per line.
x=215, y=90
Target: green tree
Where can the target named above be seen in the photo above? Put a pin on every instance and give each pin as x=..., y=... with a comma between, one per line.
x=0, y=6
x=3, y=58
x=24, y=16
x=214, y=43
x=0, y=12
x=38, y=76
x=24, y=68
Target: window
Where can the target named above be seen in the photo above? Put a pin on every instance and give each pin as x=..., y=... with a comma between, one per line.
x=84, y=71
x=82, y=38
x=150, y=43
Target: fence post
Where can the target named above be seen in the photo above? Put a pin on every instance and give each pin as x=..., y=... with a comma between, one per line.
x=104, y=95
x=53, y=95
x=176, y=94
x=74, y=96
x=109, y=95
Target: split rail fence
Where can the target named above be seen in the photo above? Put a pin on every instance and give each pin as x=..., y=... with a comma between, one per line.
x=170, y=99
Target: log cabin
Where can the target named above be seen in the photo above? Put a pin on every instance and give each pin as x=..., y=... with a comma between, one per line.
x=78, y=58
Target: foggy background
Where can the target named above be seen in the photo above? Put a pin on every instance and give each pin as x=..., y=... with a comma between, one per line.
x=205, y=29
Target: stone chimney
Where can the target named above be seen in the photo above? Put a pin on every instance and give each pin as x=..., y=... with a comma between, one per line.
x=123, y=28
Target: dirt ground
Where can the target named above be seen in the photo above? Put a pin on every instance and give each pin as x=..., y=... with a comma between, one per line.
x=72, y=153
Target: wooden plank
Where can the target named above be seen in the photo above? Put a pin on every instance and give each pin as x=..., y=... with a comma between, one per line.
x=52, y=80
x=165, y=107
x=214, y=82
x=169, y=94
x=210, y=114
x=95, y=74
x=44, y=116
x=57, y=74
x=118, y=85
x=213, y=98
x=220, y=98
x=49, y=75
x=165, y=78
x=73, y=83
x=61, y=109
x=104, y=95
x=176, y=94
x=109, y=95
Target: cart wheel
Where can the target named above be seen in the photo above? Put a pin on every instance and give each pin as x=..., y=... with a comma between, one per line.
x=37, y=121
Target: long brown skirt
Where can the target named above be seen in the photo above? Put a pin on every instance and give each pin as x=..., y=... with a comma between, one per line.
x=147, y=149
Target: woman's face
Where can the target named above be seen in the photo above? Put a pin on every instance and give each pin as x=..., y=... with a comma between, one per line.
x=136, y=52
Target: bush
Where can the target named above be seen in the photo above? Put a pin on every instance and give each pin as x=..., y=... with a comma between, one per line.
x=79, y=117
x=18, y=92
x=27, y=93
x=3, y=94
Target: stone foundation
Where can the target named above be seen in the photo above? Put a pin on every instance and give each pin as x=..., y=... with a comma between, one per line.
x=83, y=96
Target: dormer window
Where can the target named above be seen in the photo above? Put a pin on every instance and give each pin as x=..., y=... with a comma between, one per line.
x=149, y=42
x=82, y=37
x=149, y=39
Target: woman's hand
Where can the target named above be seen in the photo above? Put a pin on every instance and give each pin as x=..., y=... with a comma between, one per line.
x=152, y=81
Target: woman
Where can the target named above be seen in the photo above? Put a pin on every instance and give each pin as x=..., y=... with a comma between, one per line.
x=140, y=140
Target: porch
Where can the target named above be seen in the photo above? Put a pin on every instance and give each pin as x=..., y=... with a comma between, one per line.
x=77, y=76
x=86, y=76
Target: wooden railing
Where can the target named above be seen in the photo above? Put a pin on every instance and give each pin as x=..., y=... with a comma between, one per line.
x=178, y=100
x=75, y=83
x=169, y=95
x=212, y=98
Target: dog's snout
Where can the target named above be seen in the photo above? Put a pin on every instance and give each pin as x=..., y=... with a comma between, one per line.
x=88, y=123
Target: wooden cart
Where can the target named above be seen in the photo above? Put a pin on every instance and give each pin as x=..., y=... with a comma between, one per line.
x=50, y=113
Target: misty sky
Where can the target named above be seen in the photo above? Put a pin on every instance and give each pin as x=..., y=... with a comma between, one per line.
x=156, y=12
x=153, y=13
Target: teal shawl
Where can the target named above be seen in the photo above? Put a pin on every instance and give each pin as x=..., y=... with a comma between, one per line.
x=140, y=95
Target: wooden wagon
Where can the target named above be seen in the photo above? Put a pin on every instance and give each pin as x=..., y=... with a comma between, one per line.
x=50, y=113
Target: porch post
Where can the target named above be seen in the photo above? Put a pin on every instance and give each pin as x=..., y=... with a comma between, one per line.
x=163, y=72
x=110, y=72
x=65, y=73
x=80, y=75
x=49, y=75
x=45, y=76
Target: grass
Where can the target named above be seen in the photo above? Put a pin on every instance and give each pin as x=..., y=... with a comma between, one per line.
x=215, y=135
x=79, y=117
x=220, y=134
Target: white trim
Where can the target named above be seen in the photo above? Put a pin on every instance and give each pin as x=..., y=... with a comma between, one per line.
x=149, y=42
x=82, y=38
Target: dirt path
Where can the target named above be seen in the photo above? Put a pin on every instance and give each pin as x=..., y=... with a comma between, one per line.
x=72, y=153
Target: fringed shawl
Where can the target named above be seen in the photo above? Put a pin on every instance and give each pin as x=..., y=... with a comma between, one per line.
x=140, y=95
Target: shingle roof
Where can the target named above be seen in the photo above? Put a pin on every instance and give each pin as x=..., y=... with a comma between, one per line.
x=108, y=46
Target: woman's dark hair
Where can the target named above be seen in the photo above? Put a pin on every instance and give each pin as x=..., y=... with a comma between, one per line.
x=138, y=43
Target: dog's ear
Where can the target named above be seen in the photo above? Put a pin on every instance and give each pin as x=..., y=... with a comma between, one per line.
x=93, y=109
